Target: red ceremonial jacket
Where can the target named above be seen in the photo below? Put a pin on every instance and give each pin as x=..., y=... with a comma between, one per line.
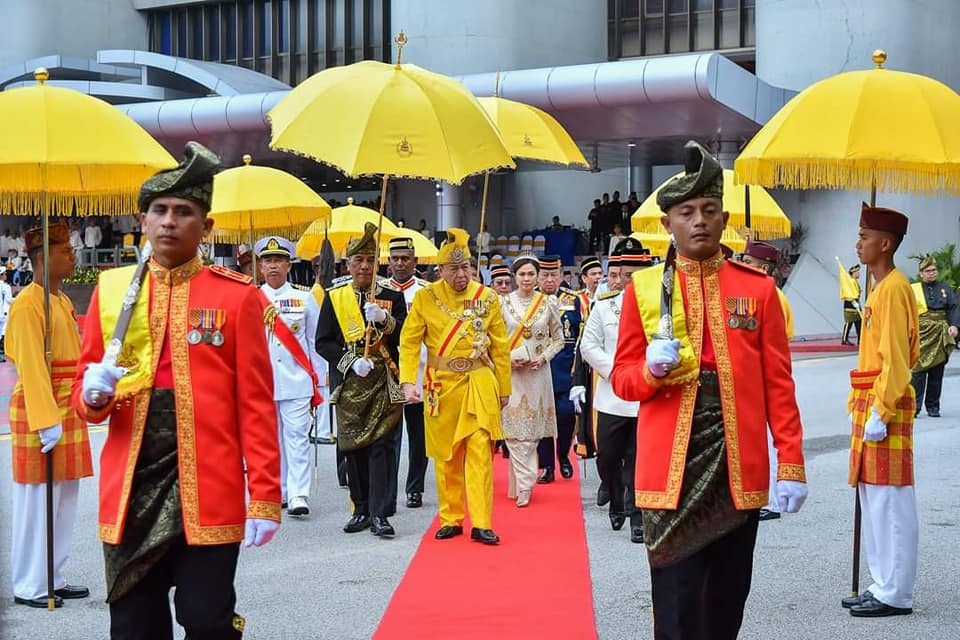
x=226, y=415
x=755, y=378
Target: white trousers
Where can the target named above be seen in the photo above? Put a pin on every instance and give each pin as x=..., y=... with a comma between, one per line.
x=293, y=422
x=28, y=559
x=891, y=540
x=773, y=503
x=324, y=420
x=523, y=466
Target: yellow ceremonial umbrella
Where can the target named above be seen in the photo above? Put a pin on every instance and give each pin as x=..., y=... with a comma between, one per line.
x=658, y=243
x=68, y=153
x=767, y=219
x=343, y=225
x=252, y=200
x=423, y=247
x=530, y=134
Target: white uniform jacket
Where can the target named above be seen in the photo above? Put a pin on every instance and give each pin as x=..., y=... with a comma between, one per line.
x=298, y=309
x=598, y=346
x=409, y=289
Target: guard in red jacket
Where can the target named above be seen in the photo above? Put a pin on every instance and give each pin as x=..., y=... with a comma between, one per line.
x=704, y=351
x=190, y=404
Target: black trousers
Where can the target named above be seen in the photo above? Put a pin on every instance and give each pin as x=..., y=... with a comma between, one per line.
x=547, y=455
x=927, y=385
x=416, y=447
x=702, y=597
x=372, y=476
x=204, y=597
x=616, y=461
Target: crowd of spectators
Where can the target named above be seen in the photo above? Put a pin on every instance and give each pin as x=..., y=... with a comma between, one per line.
x=606, y=215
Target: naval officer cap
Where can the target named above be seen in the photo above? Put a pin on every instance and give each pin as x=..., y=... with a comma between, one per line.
x=702, y=178
x=274, y=246
x=191, y=180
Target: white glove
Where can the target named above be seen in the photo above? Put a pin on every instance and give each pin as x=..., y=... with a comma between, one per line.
x=578, y=395
x=102, y=378
x=362, y=367
x=662, y=356
x=49, y=437
x=259, y=532
x=875, y=429
x=791, y=495
x=374, y=313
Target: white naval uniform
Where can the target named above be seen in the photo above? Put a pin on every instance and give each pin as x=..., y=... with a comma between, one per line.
x=409, y=289
x=6, y=298
x=292, y=386
x=598, y=346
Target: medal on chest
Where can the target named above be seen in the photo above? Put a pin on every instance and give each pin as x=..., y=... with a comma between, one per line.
x=206, y=325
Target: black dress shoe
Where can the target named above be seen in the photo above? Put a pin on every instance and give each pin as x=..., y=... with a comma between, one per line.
x=566, y=468
x=873, y=608
x=636, y=533
x=414, y=500
x=851, y=601
x=546, y=477
x=448, y=531
x=603, y=496
x=486, y=536
x=767, y=514
x=380, y=526
x=357, y=523
x=933, y=414
x=617, y=520
x=72, y=591
x=39, y=603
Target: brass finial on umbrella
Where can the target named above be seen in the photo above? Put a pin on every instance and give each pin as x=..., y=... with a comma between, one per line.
x=400, y=41
x=879, y=57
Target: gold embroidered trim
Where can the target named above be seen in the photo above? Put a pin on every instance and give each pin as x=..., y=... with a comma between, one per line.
x=795, y=472
x=111, y=533
x=705, y=268
x=264, y=510
x=177, y=275
x=186, y=427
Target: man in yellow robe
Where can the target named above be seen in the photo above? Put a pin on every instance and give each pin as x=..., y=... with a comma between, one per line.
x=41, y=420
x=466, y=384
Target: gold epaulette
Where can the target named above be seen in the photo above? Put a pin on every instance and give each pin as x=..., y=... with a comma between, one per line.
x=230, y=274
x=301, y=287
x=269, y=315
x=336, y=284
x=385, y=283
x=606, y=295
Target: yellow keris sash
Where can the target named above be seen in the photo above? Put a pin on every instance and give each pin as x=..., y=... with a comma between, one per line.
x=137, y=352
x=517, y=336
x=352, y=324
x=646, y=286
x=921, y=299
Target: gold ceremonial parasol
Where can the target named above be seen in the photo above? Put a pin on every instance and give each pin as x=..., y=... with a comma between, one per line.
x=262, y=200
x=423, y=247
x=343, y=225
x=767, y=219
x=68, y=153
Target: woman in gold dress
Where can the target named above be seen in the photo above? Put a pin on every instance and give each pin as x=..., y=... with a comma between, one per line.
x=534, y=337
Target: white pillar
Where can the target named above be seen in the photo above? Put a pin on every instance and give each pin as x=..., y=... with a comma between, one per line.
x=449, y=206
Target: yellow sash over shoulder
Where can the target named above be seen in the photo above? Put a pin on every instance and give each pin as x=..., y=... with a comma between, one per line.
x=647, y=286
x=921, y=299
x=344, y=301
x=137, y=352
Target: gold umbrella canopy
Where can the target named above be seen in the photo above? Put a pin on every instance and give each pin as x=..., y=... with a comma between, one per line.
x=423, y=248
x=64, y=152
x=344, y=224
x=659, y=242
x=252, y=200
x=533, y=134
x=882, y=129
x=767, y=219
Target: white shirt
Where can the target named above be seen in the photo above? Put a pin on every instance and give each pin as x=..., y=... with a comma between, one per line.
x=6, y=297
x=598, y=346
x=299, y=311
x=7, y=243
x=409, y=289
x=92, y=236
x=76, y=241
x=483, y=242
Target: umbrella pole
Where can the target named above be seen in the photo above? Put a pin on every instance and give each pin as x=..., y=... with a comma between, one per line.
x=48, y=358
x=253, y=257
x=746, y=210
x=376, y=265
x=483, y=214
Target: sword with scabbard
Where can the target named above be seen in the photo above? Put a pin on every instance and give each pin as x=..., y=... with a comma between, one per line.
x=111, y=354
x=665, y=326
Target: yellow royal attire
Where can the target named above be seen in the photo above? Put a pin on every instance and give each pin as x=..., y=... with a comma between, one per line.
x=787, y=312
x=468, y=371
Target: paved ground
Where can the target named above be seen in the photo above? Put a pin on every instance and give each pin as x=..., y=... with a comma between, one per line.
x=314, y=581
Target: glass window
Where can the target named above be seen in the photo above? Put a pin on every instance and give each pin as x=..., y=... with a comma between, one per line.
x=212, y=17
x=229, y=17
x=182, y=41
x=283, y=26
x=703, y=5
x=653, y=7
x=630, y=8
x=677, y=6
x=164, y=32
x=245, y=27
x=264, y=28
x=195, y=25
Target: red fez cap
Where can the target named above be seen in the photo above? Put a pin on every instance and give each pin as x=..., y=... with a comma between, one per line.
x=881, y=219
x=762, y=251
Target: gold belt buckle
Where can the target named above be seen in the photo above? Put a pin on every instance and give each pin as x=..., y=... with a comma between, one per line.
x=460, y=365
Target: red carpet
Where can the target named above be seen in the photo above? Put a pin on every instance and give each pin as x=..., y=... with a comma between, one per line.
x=534, y=584
x=821, y=346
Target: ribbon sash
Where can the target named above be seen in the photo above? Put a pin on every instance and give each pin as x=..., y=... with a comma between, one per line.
x=517, y=336
x=288, y=340
x=137, y=352
x=351, y=321
x=431, y=386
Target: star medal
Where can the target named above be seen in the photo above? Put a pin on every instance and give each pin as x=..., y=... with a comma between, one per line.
x=527, y=333
x=477, y=324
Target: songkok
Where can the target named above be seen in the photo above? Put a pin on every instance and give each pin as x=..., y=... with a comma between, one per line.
x=550, y=263
x=702, y=178
x=855, y=267
x=592, y=262
x=455, y=248
x=274, y=246
x=525, y=258
x=401, y=244
x=192, y=180
x=927, y=261
x=881, y=219
x=500, y=271
x=365, y=244
x=59, y=234
x=762, y=251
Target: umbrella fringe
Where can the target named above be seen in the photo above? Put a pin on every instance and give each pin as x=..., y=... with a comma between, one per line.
x=894, y=176
x=68, y=204
x=766, y=230
x=236, y=236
